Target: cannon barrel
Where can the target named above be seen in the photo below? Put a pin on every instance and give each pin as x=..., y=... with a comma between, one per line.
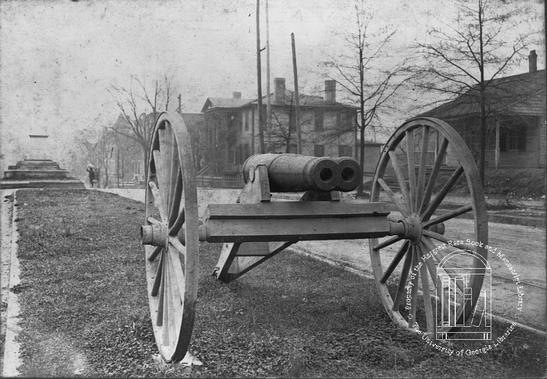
x=294, y=172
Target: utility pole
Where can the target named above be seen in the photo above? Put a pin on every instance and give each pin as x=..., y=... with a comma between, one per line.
x=297, y=100
x=269, y=102
x=259, y=79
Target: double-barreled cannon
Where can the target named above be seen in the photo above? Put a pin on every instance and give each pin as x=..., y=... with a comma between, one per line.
x=423, y=162
x=294, y=173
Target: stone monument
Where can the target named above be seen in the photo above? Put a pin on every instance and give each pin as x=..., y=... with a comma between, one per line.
x=36, y=170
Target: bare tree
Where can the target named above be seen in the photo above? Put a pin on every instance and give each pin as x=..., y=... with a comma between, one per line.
x=463, y=59
x=140, y=108
x=96, y=147
x=360, y=74
x=282, y=135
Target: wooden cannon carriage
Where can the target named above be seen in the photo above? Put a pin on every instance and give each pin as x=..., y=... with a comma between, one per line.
x=406, y=210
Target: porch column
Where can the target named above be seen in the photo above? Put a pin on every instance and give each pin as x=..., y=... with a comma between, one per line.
x=497, y=151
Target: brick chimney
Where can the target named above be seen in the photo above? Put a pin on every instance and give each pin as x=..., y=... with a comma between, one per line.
x=236, y=95
x=533, y=61
x=330, y=91
x=279, y=90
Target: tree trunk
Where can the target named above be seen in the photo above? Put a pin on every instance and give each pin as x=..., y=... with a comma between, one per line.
x=484, y=126
x=362, y=110
x=482, y=154
x=361, y=158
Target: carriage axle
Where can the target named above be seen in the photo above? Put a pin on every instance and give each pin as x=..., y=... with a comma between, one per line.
x=294, y=221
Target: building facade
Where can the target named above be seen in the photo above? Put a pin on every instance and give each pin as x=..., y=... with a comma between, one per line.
x=515, y=108
x=232, y=133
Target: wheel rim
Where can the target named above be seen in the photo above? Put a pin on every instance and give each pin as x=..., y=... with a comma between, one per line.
x=172, y=267
x=418, y=202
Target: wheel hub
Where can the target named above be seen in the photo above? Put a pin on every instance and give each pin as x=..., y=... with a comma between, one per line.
x=412, y=228
x=155, y=235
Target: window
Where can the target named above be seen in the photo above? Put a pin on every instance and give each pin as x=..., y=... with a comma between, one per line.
x=318, y=150
x=246, y=121
x=246, y=152
x=513, y=139
x=344, y=151
x=343, y=120
x=318, y=120
x=232, y=156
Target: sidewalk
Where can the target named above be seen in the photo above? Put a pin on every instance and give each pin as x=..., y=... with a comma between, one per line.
x=524, y=246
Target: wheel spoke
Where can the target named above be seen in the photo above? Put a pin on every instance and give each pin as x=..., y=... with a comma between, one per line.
x=431, y=246
x=439, y=197
x=414, y=281
x=436, y=236
x=161, y=293
x=411, y=168
x=174, y=229
x=155, y=253
x=399, y=175
x=401, y=206
x=153, y=220
x=174, y=241
x=421, y=173
x=157, y=277
x=388, y=242
x=175, y=201
x=178, y=272
x=163, y=182
x=402, y=282
x=158, y=202
x=395, y=262
x=429, y=263
x=434, y=172
x=170, y=162
x=447, y=216
x=166, y=304
x=427, y=297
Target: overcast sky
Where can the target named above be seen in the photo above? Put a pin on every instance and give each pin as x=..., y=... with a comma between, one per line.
x=59, y=57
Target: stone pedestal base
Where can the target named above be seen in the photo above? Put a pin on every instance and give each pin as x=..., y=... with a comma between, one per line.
x=38, y=173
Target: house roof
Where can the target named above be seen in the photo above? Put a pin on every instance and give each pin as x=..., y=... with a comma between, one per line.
x=120, y=123
x=522, y=94
x=304, y=101
x=224, y=102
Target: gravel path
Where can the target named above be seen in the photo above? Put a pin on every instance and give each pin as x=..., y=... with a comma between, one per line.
x=9, y=279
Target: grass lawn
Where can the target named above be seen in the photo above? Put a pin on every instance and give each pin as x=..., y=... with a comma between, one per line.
x=85, y=312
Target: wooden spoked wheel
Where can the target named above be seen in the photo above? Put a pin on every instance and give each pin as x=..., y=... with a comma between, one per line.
x=171, y=229
x=424, y=164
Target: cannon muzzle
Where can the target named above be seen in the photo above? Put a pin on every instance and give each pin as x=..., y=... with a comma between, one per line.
x=351, y=174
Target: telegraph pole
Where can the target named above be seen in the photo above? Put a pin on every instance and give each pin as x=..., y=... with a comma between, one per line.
x=269, y=102
x=297, y=100
x=259, y=79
